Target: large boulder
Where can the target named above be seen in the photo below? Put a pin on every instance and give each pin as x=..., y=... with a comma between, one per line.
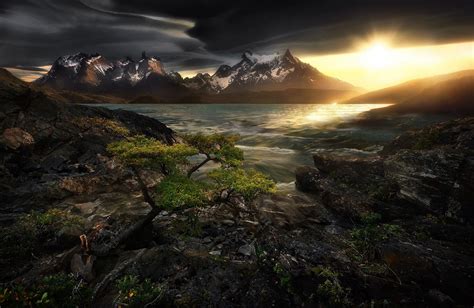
x=308, y=179
x=349, y=187
x=434, y=168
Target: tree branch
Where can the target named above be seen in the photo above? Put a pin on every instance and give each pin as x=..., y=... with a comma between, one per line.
x=197, y=166
x=105, y=249
x=144, y=189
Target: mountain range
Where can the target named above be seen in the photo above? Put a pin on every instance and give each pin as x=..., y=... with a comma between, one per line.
x=253, y=77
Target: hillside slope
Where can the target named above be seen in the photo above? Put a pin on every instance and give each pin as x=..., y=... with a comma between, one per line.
x=444, y=94
x=407, y=92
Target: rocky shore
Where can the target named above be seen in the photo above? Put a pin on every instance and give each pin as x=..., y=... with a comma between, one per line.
x=390, y=230
x=421, y=189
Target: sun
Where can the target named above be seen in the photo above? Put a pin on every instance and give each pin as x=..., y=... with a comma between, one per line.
x=376, y=56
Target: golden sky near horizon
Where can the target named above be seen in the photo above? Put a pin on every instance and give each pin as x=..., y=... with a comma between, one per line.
x=373, y=65
x=376, y=64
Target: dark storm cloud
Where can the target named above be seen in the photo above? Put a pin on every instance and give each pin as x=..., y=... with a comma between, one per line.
x=36, y=33
x=316, y=26
x=195, y=63
x=200, y=33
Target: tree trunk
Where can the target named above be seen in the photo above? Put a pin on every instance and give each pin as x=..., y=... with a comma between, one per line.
x=105, y=249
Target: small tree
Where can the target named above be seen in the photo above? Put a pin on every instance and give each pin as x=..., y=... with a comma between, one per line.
x=179, y=189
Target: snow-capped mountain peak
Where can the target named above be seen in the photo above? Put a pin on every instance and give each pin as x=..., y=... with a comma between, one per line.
x=255, y=72
x=82, y=70
x=252, y=58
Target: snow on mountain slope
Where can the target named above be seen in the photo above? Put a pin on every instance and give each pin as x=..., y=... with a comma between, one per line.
x=80, y=71
x=265, y=72
x=147, y=76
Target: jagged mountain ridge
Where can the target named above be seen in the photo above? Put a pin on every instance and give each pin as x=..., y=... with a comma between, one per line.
x=147, y=76
x=94, y=70
x=265, y=73
x=95, y=73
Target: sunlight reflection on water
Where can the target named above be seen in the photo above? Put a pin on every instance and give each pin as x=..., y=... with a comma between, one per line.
x=328, y=114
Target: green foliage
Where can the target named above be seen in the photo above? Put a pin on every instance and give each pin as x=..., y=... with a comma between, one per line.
x=330, y=290
x=283, y=276
x=32, y=230
x=426, y=139
x=136, y=293
x=246, y=183
x=371, y=232
x=108, y=125
x=141, y=151
x=220, y=147
x=189, y=226
x=177, y=191
x=52, y=219
x=382, y=191
x=59, y=290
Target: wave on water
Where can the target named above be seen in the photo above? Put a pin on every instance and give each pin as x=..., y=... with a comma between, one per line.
x=269, y=149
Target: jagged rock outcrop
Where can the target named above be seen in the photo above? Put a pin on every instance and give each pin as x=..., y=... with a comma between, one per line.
x=432, y=169
x=50, y=148
x=420, y=185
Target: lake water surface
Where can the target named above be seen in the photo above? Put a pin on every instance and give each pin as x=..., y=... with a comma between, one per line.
x=278, y=138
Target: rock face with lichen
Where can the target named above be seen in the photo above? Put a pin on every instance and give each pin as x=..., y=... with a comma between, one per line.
x=422, y=183
x=434, y=168
x=50, y=150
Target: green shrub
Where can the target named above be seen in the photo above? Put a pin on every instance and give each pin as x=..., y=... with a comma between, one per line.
x=108, y=125
x=136, y=293
x=141, y=151
x=189, y=226
x=246, y=183
x=370, y=233
x=283, y=276
x=330, y=290
x=32, y=231
x=427, y=139
x=59, y=290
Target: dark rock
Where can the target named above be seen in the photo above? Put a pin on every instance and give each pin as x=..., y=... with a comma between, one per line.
x=247, y=250
x=82, y=265
x=456, y=134
x=307, y=178
x=16, y=137
x=68, y=236
x=440, y=299
x=424, y=177
x=432, y=266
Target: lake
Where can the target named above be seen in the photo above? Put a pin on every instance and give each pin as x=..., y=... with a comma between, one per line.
x=277, y=138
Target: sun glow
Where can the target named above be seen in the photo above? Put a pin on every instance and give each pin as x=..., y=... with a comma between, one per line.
x=377, y=63
x=377, y=56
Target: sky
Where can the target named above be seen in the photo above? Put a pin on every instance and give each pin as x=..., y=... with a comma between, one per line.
x=370, y=43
